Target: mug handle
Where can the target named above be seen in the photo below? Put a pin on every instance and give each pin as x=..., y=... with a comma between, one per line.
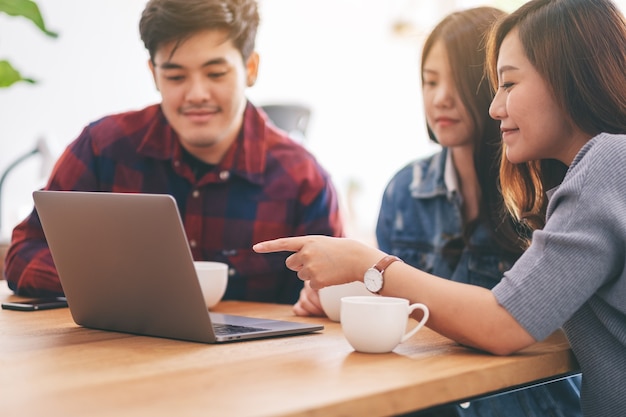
x=419, y=325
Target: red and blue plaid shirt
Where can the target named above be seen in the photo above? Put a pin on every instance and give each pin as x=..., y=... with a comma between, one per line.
x=267, y=186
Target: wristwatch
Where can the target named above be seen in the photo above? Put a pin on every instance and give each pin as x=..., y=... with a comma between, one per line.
x=373, y=277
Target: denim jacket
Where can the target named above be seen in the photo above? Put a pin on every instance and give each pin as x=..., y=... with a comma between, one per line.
x=420, y=213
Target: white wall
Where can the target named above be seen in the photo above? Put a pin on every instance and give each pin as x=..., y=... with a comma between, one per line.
x=96, y=66
x=338, y=56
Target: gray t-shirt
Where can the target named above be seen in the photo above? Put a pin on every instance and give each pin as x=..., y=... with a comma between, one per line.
x=574, y=273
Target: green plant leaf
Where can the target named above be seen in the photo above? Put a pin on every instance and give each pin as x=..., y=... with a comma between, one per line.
x=27, y=9
x=9, y=75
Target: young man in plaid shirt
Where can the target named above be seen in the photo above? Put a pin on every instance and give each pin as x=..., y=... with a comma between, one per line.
x=236, y=178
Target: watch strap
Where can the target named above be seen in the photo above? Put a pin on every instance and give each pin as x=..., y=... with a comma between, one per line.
x=385, y=262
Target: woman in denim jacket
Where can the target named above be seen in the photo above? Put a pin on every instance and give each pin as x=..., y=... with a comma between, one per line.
x=444, y=214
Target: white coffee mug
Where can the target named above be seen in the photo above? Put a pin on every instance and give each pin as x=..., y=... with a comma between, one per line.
x=378, y=324
x=213, y=278
x=330, y=297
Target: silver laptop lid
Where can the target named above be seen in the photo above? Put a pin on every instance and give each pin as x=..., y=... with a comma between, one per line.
x=124, y=263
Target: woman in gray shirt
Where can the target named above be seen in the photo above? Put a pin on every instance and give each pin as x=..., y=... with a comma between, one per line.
x=558, y=68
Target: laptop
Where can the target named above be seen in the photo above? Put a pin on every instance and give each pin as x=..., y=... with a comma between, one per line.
x=125, y=265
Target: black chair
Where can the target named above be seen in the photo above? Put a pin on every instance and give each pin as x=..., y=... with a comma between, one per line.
x=292, y=118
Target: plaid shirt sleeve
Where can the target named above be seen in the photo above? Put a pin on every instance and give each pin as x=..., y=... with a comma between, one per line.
x=29, y=268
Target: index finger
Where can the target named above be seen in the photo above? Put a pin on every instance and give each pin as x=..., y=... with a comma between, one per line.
x=291, y=244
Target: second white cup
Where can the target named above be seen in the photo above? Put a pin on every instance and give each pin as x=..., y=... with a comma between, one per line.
x=330, y=297
x=213, y=278
x=378, y=324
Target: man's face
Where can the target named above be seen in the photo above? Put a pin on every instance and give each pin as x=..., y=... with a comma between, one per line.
x=202, y=83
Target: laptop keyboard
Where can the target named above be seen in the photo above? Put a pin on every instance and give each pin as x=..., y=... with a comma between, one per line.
x=226, y=329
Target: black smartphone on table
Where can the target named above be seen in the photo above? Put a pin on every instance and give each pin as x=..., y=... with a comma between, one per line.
x=34, y=304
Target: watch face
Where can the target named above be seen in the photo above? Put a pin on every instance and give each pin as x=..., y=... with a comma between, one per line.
x=373, y=280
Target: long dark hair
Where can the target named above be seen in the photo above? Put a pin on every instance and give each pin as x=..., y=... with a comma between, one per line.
x=464, y=34
x=579, y=48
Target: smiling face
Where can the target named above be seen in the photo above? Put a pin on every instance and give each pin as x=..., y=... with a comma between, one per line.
x=532, y=123
x=202, y=82
x=446, y=114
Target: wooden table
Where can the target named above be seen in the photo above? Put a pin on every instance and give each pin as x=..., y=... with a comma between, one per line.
x=49, y=366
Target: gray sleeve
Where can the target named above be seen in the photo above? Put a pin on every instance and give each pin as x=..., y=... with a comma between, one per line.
x=580, y=250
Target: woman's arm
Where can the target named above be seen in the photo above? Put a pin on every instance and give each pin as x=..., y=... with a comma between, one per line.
x=467, y=314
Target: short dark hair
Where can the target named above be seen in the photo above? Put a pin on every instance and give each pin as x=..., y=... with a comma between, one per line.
x=164, y=21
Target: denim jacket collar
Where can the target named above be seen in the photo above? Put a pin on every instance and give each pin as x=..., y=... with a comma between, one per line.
x=435, y=179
